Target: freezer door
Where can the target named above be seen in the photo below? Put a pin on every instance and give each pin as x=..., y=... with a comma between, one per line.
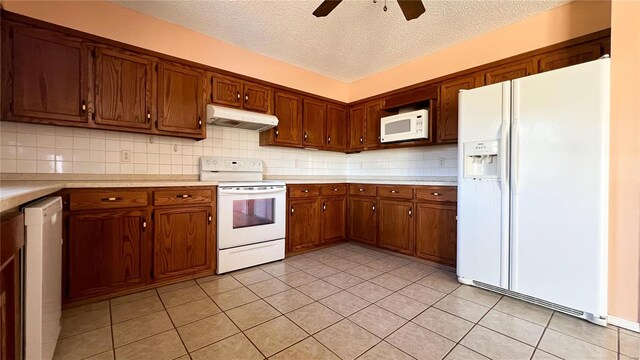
x=483, y=204
x=559, y=183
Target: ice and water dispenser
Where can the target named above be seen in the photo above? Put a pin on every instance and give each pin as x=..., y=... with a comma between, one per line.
x=481, y=159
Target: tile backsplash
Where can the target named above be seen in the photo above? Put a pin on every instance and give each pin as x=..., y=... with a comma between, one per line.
x=33, y=148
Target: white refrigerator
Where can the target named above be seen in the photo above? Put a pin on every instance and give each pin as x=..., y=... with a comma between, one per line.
x=533, y=188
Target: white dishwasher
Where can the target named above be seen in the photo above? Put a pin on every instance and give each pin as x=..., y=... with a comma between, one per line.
x=43, y=277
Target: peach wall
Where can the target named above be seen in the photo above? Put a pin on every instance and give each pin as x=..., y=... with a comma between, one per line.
x=112, y=21
x=556, y=25
x=624, y=232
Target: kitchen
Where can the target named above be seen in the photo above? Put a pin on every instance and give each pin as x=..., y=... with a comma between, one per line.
x=368, y=229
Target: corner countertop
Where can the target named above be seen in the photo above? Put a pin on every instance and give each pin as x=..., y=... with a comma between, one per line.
x=416, y=181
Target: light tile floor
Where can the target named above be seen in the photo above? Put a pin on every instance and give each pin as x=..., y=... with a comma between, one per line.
x=343, y=302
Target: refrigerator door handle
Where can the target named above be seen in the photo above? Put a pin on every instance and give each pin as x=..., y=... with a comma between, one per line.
x=504, y=137
x=515, y=139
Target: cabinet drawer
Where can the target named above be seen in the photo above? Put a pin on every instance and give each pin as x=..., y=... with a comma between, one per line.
x=334, y=189
x=182, y=196
x=363, y=189
x=438, y=193
x=303, y=191
x=107, y=199
x=395, y=192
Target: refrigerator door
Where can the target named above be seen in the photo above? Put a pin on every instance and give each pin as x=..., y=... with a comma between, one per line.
x=559, y=180
x=483, y=185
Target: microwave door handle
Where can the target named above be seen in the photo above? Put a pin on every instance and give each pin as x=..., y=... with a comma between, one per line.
x=249, y=192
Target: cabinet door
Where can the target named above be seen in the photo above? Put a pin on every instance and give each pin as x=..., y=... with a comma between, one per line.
x=108, y=250
x=447, y=119
x=313, y=123
x=508, y=72
x=336, y=128
x=124, y=91
x=373, y=114
x=569, y=56
x=226, y=91
x=288, y=109
x=396, y=228
x=304, y=224
x=180, y=100
x=436, y=233
x=45, y=76
x=362, y=220
x=11, y=241
x=183, y=241
x=356, y=128
x=257, y=98
x=334, y=214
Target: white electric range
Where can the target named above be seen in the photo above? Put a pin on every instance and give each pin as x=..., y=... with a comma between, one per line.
x=251, y=213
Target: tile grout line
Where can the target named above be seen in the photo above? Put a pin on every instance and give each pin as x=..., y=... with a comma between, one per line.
x=542, y=335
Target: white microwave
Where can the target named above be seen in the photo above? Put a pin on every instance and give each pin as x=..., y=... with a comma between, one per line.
x=404, y=127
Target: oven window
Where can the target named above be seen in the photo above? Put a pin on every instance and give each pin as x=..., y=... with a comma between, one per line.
x=397, y=127
x=247, y=213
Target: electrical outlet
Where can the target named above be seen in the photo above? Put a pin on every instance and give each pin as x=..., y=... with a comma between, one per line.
x=125, y=156
x=441, y=162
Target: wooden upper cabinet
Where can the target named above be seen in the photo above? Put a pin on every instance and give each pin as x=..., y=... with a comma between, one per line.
x=334, y=214
x=183, y=241
x=337, y=128
x=396, y=226
x=372, y=121
x=257, y=98
x=447, y=119
x=226, y=91
x=508, y=72
x=356, y=128
x=45, y=76
x=313, y=123
x=362, y=220
x=304, y=224
x=288, y=110
x=180, y=100
x=436, y=232
x=569, y=56
x=124, y=89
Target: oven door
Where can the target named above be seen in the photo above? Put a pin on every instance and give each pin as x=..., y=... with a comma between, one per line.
x=249, y=215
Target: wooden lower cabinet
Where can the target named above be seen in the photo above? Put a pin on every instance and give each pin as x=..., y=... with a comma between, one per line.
x=108, y=250
x=362, y=220
x=11, y=241
x=396, y=226
x=304, y=224
x=182, y=241
x=334, y=216
x=436, y=232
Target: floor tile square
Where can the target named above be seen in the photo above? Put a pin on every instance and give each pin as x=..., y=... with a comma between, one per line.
x=384, y=265
x=495, y=346
x=411, y=273
x=319, y=289
x=221, y=285
x=134, y=296
x=364, y=272
x=343, y=280
x=252, y=314
x=181, y=296
x=314, y=317
x=190, y=312
x=84, y=321
x=441, y=280
x=420, y=342
x=527, y=332
x=301, y=263
x=252, y=277
x=377, y=320
x=425, y=295
x=176, y=286
x=442, y=323
x=84, y=345
x=279, y=268
x=391, y=282
x=131, y=309
x=234, y=298
x=206, y=331
x=107, y=355
x=236, y=347
x=584, y=330
x=344, y=303
x=477, y=295
x=275, y=335
x=166, y=345
x=524, y=310
x=568, y=347
x=463, y=308
x=541, y=355
x=77, y=310
x=341, y=264
x=322, y=271
x=322, y=257
x=288, y=300
x=307, y=349
x=402, y=305
x=297, y=278
x=385, y=351
x=462, y=353
x=141, y=327
x=362, y=258
x=370, y=291
x=268, y=287
x=346, y=339
x=629, y=345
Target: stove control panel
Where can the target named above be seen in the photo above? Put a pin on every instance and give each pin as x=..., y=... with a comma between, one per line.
x=224, y=164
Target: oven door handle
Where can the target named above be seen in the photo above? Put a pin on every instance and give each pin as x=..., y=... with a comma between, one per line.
x=250, y=192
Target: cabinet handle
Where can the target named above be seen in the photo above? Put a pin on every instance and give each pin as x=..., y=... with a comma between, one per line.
x=324, y=206
x=183, y=196
x=238, y=94
x=305, y=136
x=373, y=208
x=144, y=223
x=246, y=97
x=336, y=189
x=292, y=210
x=394, y=191
x=361, y=189
x=305, y=190
x=112, y=199
x=83, y=107
x=210, y=218
x=329, y=140
x=361, y=140
x=199, y=122
x=277, y=132
x=410, y=211
x=148, y=116
x=436, y=194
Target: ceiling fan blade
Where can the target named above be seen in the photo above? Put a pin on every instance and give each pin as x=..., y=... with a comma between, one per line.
x=411, y=9
x=326, y=7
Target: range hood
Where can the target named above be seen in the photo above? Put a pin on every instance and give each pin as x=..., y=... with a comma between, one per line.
x=239, y=119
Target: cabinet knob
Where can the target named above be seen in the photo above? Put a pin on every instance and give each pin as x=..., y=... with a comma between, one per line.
x=183, y=196
x=361, y=140
x=324, y=206
x=148, y=116
x=305, y=190
x=410, y=211
x=277, y=132
x=305, y=136
x=238, y=94
x=329, y=140
x=144, y=223
x=210, y=218
x=361, y=189
x=394, y=191
x=373, y=208
x=335, y=189
x=292, y=210
x=83, y=106
x=436, y=194
x=111, y=199
x=246, y=97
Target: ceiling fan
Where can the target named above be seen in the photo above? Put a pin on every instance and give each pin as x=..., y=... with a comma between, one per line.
x=411, y=9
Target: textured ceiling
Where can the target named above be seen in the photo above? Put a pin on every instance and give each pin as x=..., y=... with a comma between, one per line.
x=356, y=40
